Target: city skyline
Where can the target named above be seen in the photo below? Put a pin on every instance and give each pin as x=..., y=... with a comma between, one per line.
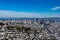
x=30, y=8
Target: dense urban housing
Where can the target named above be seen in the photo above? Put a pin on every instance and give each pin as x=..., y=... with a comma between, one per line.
x=30, y=29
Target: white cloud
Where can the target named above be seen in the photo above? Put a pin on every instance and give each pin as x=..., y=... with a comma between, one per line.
x=6, y=13
x=55, y=8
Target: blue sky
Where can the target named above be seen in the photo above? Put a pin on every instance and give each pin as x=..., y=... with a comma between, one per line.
x=30, y=8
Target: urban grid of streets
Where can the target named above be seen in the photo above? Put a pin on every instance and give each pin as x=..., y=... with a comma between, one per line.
x=29, y=29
